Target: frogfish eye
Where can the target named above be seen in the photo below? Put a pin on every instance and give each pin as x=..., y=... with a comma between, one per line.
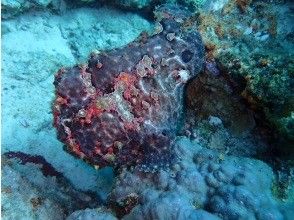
x=187, y=56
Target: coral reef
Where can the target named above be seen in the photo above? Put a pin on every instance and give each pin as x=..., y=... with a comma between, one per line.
x=138, y=4
x=147, y=6
x=11, y=8
x=254, y=53
x=202, y=185
x=226, y=166
x=124, y=107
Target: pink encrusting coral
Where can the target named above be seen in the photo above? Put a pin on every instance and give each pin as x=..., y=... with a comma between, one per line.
x=125, y=105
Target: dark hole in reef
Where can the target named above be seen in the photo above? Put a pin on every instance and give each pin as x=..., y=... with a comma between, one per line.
x=290, y=125
x=164, y=133
x=187, y=56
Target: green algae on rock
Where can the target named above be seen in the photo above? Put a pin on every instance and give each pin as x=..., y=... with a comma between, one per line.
x=255, y=52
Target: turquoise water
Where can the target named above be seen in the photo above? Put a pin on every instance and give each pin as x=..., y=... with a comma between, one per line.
x=216, y=142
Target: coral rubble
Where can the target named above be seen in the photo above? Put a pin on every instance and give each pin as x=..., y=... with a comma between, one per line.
x=32, y=189
x=92, y=214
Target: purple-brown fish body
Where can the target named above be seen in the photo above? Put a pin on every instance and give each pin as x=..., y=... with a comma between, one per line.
x=124, y=106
